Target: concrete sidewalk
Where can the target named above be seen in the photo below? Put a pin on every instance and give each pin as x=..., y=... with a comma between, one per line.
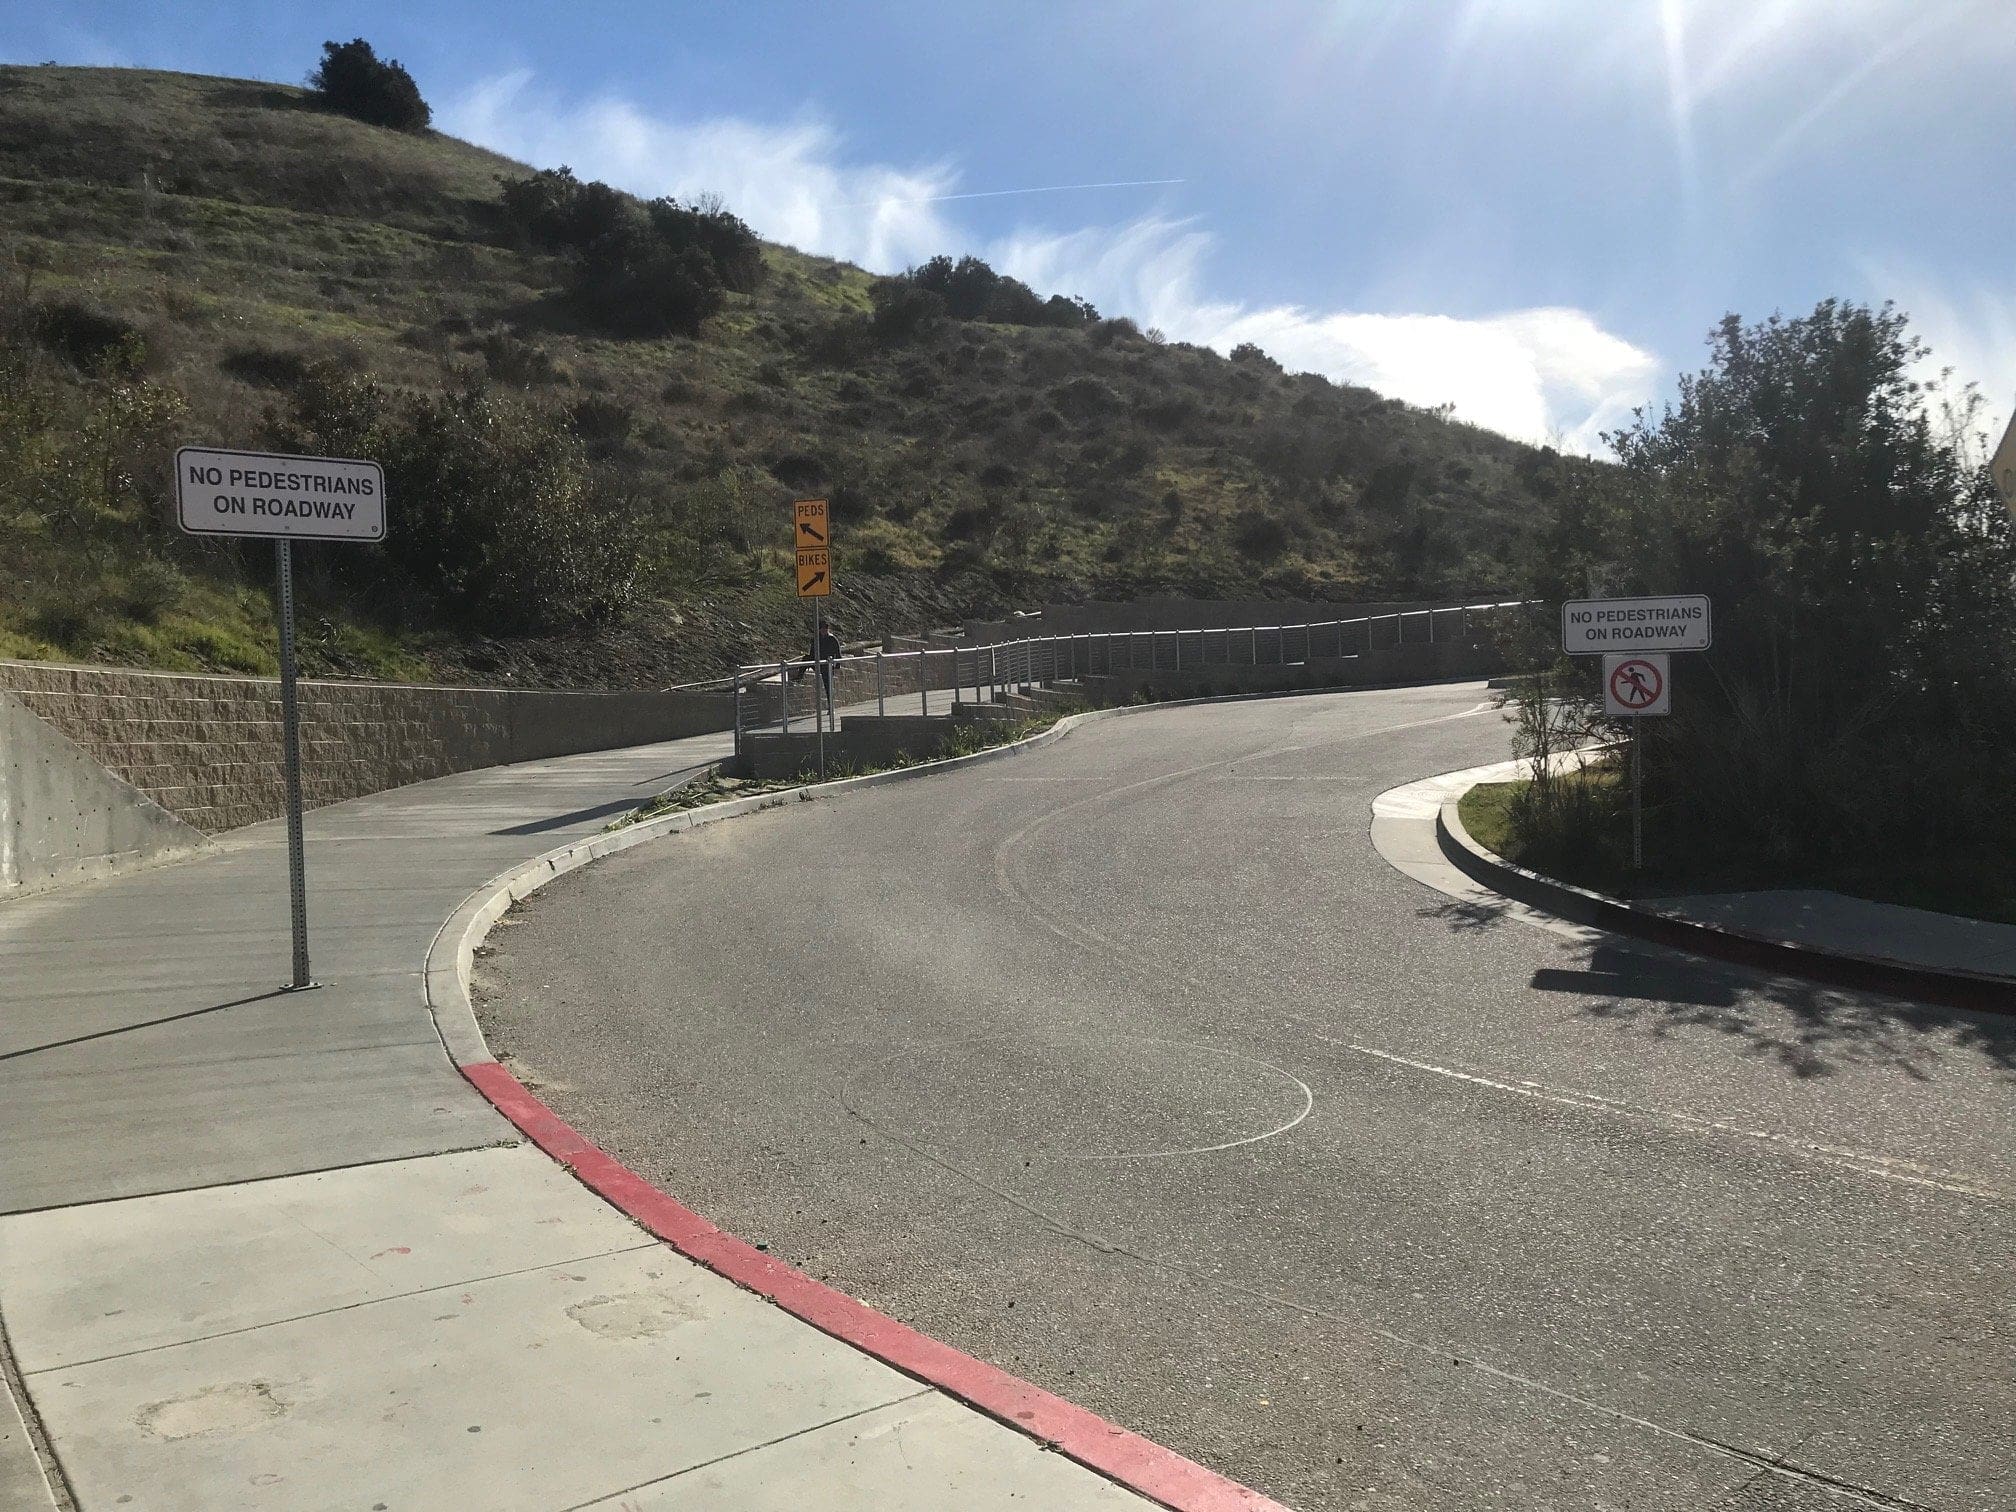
x=1403, y=829
x=272, y=1251
x=1831, y=921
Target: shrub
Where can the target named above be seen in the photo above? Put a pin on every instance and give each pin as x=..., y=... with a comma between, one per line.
x=73, y=620
x=494, y=518
x=904, y=310
x=264, y=367
x=632, y=284
x=1085, y=398
x=510, y=358
x=598, y=418
x=152, y=588
x=90, y=338
x=1258, y=534
x=971, y=290
x=636, y=268
x=1857, y=700
x=352, y=80
x=554, y=210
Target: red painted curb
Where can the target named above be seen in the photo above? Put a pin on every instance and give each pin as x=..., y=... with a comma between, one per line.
x=1140, y=1465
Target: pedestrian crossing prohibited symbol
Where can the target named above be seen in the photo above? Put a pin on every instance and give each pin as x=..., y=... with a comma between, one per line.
x=1634, y=686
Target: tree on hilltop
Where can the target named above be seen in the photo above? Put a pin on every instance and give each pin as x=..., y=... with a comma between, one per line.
x=354, y=81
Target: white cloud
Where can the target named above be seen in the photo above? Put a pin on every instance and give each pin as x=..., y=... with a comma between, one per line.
x=785, y=180
x=1546, y=374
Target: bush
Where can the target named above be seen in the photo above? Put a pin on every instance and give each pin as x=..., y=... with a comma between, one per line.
x=598, y=418
x=971, y=290
x=904, y=310
x=509, y=358
x=636, y=269
x=1857, y=700
x=265, y=367
x=632, y=284
x=73, y=620
x=152, y=588
x=91, y=339
x=1259, y=535
x=353, y=81
x=492, y=513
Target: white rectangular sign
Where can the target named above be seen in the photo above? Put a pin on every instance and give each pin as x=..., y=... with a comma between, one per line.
x=1637, y=684
x=234, y=493
x=1677, y=622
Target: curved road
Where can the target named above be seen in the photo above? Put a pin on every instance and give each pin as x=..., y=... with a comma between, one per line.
x=1129, y=1065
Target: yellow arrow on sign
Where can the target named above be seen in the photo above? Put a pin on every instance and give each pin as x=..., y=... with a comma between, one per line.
x=815, y=576
x=809, y=524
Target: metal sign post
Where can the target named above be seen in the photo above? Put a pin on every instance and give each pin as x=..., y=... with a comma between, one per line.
x=812, y=539
x=285, y=498
x=1635, y=687
x=822, y=698
x=290, y=737
x=1637, y=798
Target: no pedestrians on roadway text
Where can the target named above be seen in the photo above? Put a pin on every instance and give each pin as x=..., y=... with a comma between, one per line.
x=1676, y=622
x=236, y=493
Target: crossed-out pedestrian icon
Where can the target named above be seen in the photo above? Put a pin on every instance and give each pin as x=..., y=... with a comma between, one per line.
x=1636, y=684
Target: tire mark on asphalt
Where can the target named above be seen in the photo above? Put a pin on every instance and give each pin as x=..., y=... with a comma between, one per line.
x=1308, y=1095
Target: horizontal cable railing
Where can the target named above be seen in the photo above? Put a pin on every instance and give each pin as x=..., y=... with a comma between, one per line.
x=774, y=695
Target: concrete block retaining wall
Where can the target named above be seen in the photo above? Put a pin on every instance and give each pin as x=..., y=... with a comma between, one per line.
x=64, y=818
x=858, y=743
x=207, y=749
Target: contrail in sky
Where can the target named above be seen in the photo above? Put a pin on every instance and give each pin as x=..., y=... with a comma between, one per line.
x=938, y=199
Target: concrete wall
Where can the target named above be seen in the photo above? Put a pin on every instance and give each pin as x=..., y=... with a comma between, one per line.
x=207, y=749
x=64, y=818
x=858, y=743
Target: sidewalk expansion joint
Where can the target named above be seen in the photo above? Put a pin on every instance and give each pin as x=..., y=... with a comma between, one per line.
x=327, y=1312
x=505, y=1142
x=735, y=1454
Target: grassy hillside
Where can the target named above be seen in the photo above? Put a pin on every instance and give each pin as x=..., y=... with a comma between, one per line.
x=178, y=252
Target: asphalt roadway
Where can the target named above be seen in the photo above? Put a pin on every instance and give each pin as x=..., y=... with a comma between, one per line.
x=1130, y=1066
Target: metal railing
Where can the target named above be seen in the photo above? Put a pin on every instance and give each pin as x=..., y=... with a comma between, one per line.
x=772, y=695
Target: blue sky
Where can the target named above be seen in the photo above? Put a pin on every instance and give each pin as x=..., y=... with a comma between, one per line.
x=1532, y=209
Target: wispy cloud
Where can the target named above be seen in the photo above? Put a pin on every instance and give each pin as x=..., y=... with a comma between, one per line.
x=1970, y=328
x=787, y=180
x=980, y=194
x=1544, y=374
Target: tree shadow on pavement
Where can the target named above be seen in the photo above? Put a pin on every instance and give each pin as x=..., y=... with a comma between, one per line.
x=1465, y=915
x=1809, y=1029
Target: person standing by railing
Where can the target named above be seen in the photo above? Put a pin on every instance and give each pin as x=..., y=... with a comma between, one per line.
x=825, y=652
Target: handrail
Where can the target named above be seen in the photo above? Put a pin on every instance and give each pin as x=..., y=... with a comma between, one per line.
x=992, y=669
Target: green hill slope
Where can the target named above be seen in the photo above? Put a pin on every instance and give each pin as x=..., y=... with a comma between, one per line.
x=178, y=251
